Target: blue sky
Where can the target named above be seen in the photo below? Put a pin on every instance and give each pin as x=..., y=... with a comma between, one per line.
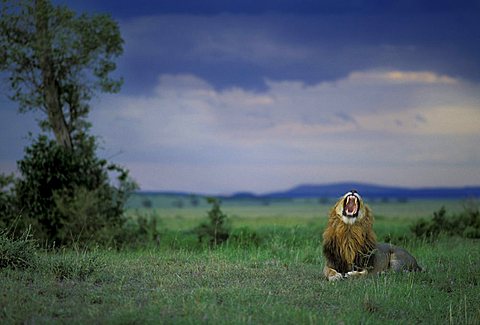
x=224, y=96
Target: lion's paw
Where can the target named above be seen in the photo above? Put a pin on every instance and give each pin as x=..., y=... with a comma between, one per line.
x=353, y=274
x=335, y=277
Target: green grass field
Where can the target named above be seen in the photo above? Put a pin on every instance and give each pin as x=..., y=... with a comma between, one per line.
x=276, y=280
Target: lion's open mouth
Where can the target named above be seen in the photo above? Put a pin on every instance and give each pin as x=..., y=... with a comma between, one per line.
x=351, y=206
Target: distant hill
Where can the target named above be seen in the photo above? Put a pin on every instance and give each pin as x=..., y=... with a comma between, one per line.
x=338, y=189
x=375, y=191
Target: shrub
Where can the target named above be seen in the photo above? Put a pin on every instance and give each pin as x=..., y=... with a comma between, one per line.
x=465, y=224
x=139, y=231
x=67, y=196
x=217, y=230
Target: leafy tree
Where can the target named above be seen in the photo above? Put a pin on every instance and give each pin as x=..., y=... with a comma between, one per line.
x=55, y=61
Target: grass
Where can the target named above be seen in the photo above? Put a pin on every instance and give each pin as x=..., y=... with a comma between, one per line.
x=177, y=206
x=277, y=281
x=228, y=286
x=281, y=212
x=17, y=253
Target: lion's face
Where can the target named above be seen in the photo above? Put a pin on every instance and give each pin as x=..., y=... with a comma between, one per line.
x=350, y=208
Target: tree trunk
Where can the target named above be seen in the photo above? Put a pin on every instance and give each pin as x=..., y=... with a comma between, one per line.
x=51, y=89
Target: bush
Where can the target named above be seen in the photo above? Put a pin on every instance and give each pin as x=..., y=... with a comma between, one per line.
x=17, y=253
x=139, y=231
x=66, y=196
x=465, y=224
x=217, y=230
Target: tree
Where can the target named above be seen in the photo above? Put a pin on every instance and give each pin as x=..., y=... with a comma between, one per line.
x=55, y=61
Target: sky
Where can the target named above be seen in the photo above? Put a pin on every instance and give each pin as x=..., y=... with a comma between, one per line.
x=226, y=96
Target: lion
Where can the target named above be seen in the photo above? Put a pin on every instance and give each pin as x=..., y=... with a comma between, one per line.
x=350, y=246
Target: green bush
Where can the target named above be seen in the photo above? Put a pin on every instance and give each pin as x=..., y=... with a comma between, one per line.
x=139, y=231
x=465, y=224
x=17, y=253
x=217, y=230
x=67, y=196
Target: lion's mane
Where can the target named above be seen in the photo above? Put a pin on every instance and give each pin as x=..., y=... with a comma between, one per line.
x=348, y=247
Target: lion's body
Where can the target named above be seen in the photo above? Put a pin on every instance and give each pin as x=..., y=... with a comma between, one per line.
x=390, y=257
x=350, y=247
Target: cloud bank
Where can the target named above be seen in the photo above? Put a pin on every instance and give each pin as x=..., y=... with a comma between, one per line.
x=383, y=126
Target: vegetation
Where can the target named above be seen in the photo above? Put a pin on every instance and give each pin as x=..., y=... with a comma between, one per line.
x=7, y=200
x=17, y=253
x=55, y=61
x=141, y=231
x=465, y=224
x=69, y=253
x=217, y=230
x=276, y=280
x=65, y=197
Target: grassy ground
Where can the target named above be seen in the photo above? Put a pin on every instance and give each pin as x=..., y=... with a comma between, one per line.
x=277, y=281
x=186, y=207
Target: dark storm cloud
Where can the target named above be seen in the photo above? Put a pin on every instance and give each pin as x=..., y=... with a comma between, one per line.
x=125, y=8
x=336, y=37
x=242, y=50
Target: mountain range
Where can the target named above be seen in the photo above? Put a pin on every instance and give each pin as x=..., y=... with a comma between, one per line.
x=368, y=191
x=336, y=190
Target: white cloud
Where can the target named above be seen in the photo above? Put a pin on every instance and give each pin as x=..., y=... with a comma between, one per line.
x=190, y=136
x=405, y=77
x=435, y=121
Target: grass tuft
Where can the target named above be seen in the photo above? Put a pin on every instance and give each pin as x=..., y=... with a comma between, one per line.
x=73, y=265
x=17, y=253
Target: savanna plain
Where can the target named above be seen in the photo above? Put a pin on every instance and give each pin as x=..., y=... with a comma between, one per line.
x=268, y=271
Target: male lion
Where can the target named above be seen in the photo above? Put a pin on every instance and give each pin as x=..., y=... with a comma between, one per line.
x=350, y=247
